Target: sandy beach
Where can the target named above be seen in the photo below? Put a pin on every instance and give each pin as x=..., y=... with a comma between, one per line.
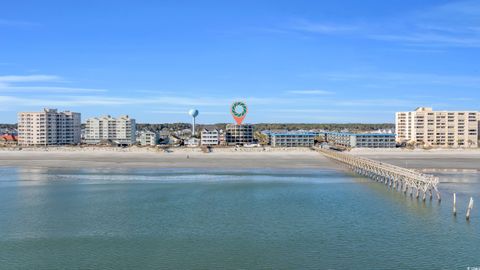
x=178, y=158
x=242, y=158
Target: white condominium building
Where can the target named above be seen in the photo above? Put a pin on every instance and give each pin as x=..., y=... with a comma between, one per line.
x=49, y=127
x=119, y=130
x=210, y=137
x=359, y=140
x=148, y=138
x=438, y=128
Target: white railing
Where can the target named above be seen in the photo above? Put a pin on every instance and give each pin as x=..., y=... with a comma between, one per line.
x=393, y=176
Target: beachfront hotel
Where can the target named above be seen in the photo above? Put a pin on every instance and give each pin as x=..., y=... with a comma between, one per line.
x=49, y=127
x=239, y=134
x=438, y=128
x=359, y=140
x=293, y=139
x=119, y=130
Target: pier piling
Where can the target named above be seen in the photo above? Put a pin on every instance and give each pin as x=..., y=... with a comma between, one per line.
x=454, y=204
x=394, y=177
x=469, y=209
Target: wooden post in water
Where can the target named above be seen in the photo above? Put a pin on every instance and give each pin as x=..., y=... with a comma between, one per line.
x=424, y=198
x=470, y=206
x=454, y=204
x=418, y=193
x=431, y=194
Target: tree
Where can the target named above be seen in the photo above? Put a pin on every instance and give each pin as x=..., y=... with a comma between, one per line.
x=261, y=138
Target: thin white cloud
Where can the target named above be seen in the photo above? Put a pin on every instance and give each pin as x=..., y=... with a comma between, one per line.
x=62, y=101
x=321, y=111
x=431, y=39
x=23, y=84
x=201, y=102
x=319, y=28
x=375, y=102
x=29, y=78
x=453, y=24
x=47, y=89
x=400, y=78
x=307, y=108
x=185, y=112
x=169, y=111
x=463, y=99
x=310, y=92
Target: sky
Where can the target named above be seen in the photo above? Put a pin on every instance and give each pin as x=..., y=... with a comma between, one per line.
x=302, y=61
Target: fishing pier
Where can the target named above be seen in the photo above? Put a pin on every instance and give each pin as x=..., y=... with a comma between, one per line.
x=394, y=177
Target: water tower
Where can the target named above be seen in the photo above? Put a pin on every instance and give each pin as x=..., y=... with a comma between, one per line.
x=193, y=113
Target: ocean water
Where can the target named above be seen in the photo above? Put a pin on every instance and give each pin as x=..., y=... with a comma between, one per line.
x=206, y=219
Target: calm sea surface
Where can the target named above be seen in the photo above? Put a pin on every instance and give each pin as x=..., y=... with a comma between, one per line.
x=205, y=219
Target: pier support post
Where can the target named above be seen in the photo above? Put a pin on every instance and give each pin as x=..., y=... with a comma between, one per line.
x=470, y=206
x=393, y=177
x=454, y=204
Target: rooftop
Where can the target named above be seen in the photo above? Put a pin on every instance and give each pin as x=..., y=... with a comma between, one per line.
x=294, y=133
x=361, y=134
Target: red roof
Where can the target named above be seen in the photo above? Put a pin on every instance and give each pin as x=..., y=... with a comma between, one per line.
x=9, y=137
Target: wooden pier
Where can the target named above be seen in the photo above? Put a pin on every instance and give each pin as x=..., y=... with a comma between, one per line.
x=395, y=177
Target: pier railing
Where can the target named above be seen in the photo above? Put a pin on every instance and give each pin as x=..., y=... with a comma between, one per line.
x=395, y=177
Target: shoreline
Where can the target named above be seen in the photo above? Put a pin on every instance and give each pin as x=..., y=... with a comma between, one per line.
x=178, y=158
x=230, y=158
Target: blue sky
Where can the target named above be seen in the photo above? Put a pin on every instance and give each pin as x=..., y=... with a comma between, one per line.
x=291, y=61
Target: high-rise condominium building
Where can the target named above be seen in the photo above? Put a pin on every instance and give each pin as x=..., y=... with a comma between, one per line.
x=119, y=130
x=438, y=128
x=49, y=127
